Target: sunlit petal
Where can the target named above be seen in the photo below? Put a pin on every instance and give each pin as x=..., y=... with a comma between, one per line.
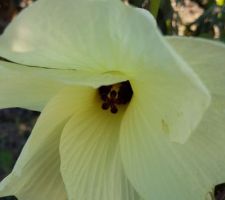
x=95, y=40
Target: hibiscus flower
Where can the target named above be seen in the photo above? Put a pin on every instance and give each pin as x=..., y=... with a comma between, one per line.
x=126, y=114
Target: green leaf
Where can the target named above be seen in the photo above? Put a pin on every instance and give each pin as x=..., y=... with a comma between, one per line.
x=6, y=160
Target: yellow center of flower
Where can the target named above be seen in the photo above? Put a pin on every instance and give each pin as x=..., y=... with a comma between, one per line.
x=114, y=95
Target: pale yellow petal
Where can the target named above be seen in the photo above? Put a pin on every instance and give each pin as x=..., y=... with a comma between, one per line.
x=100, y=35
x=160, y=169
x=182, y=171
x=89, y=150
x=25, y=87
x=206, y=57
x=36, y=174
x=32, y=87
x=174, y=105
x=77, y=34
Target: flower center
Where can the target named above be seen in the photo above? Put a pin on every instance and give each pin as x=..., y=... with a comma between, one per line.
x=114, y=95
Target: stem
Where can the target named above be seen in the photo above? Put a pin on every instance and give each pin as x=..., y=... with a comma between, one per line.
x=154, y=7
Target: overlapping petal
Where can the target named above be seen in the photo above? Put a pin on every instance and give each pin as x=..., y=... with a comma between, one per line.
x=32, y=87
x=173, y=103
x=206, y=58
x=89, y=150
x=36, y=174
x=26, y=87
x=37, y=170
x=161, y=169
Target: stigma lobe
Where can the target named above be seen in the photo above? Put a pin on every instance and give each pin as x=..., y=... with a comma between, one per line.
x=114, y=95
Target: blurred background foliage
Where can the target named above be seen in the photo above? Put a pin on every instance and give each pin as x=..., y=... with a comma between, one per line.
x=197, y=18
